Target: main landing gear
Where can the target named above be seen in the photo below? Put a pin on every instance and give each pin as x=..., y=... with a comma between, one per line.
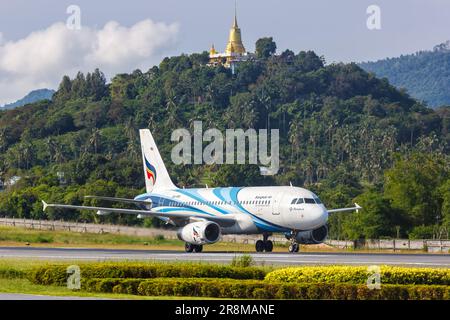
x=264, y=245
x=189, y=247
x=294, y=246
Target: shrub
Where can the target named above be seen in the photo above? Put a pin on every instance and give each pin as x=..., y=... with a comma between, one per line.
x=11, y=273
x=359, y=275
x=56, y=274
x=257, y=289
x=243, y=261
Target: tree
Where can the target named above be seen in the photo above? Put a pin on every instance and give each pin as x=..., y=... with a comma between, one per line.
x=413, y=185
x=96, y=83
x=239, y=175
x=265, y=47
x=64, y=90
x=371, y=222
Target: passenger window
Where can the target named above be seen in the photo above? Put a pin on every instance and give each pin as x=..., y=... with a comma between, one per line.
x=300, y=200
x=294, y=201
x=309, y=200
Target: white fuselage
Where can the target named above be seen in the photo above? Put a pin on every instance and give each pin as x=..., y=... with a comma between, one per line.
x=255, y=209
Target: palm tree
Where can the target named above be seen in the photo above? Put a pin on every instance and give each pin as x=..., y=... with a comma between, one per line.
x=130, y=133
x=172, y=109
x=59, y=154
x=3, y=140
x=50, y=142
x=295, y=137
x=94, y=139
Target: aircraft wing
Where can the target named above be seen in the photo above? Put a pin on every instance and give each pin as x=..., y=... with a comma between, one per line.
x=221, y=220
x=355, y=208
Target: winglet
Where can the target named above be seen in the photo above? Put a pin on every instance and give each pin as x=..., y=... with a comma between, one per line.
x=44, y=204
x=357, y=207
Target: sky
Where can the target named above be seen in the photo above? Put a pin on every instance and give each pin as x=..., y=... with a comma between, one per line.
x=37, y=47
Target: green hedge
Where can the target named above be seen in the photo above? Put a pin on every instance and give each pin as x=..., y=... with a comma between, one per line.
x=11, y=273
x=257, y=289
x=391, y=275
x=56, y=274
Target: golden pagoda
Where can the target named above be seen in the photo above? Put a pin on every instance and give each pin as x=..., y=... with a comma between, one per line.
x=235, y=50
x=235, y=45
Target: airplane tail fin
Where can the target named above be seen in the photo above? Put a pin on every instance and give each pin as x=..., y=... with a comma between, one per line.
x=156, y=175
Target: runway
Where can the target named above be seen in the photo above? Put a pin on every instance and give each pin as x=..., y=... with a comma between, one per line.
x=21, y=296
x=410, y=260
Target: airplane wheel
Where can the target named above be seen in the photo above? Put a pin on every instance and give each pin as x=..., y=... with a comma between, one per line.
x=297, y=248
x=198, y=249
x=293, y=248
x=188, y=247
x=259, y=246
x=268, y=246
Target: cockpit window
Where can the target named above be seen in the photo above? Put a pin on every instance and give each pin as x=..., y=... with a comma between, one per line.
x=318, y=200
x=294, y=201
x=300, y=200
x=309, y=200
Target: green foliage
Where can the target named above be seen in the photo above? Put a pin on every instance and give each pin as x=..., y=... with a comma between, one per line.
x=265, y=47
x=239, y=175
x=56, y=274
x=375, y=219
x=11, y=273
x=244, y=260
x=388, y=275
x=414, y=184
x=254, y=289
x=32, y=236
x=340, y=129
x=424, y=74
x=220, y=281
x=422, y=232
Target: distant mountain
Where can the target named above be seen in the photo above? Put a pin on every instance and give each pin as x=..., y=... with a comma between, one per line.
x=425, y=74
x=33, y=96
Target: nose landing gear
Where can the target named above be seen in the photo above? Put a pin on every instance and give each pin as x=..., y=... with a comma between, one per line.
x=265, y=244
x=189, y=247
x=294, y=246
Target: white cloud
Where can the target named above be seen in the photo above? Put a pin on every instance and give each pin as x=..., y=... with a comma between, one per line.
x=43, y=57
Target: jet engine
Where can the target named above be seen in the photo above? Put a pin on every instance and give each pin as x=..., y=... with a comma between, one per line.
x=315, y=236
x=202, y=232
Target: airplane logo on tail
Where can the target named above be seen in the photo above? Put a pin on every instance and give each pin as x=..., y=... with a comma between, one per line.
x=151, y=171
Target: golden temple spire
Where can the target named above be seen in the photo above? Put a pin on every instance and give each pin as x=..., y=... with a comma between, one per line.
x=235, y=44
x=212, y=51
x=235, y=24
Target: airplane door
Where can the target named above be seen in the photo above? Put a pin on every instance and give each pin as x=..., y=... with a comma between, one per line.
x=276, y=204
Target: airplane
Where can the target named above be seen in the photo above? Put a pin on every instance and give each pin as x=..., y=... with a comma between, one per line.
x=203, y=215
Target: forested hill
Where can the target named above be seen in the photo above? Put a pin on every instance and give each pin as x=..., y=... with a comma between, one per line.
x=33, y=96
x=341, y=128
x=425, y=74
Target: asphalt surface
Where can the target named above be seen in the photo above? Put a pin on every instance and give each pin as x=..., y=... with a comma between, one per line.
x=20, y=296
x=410, y=260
